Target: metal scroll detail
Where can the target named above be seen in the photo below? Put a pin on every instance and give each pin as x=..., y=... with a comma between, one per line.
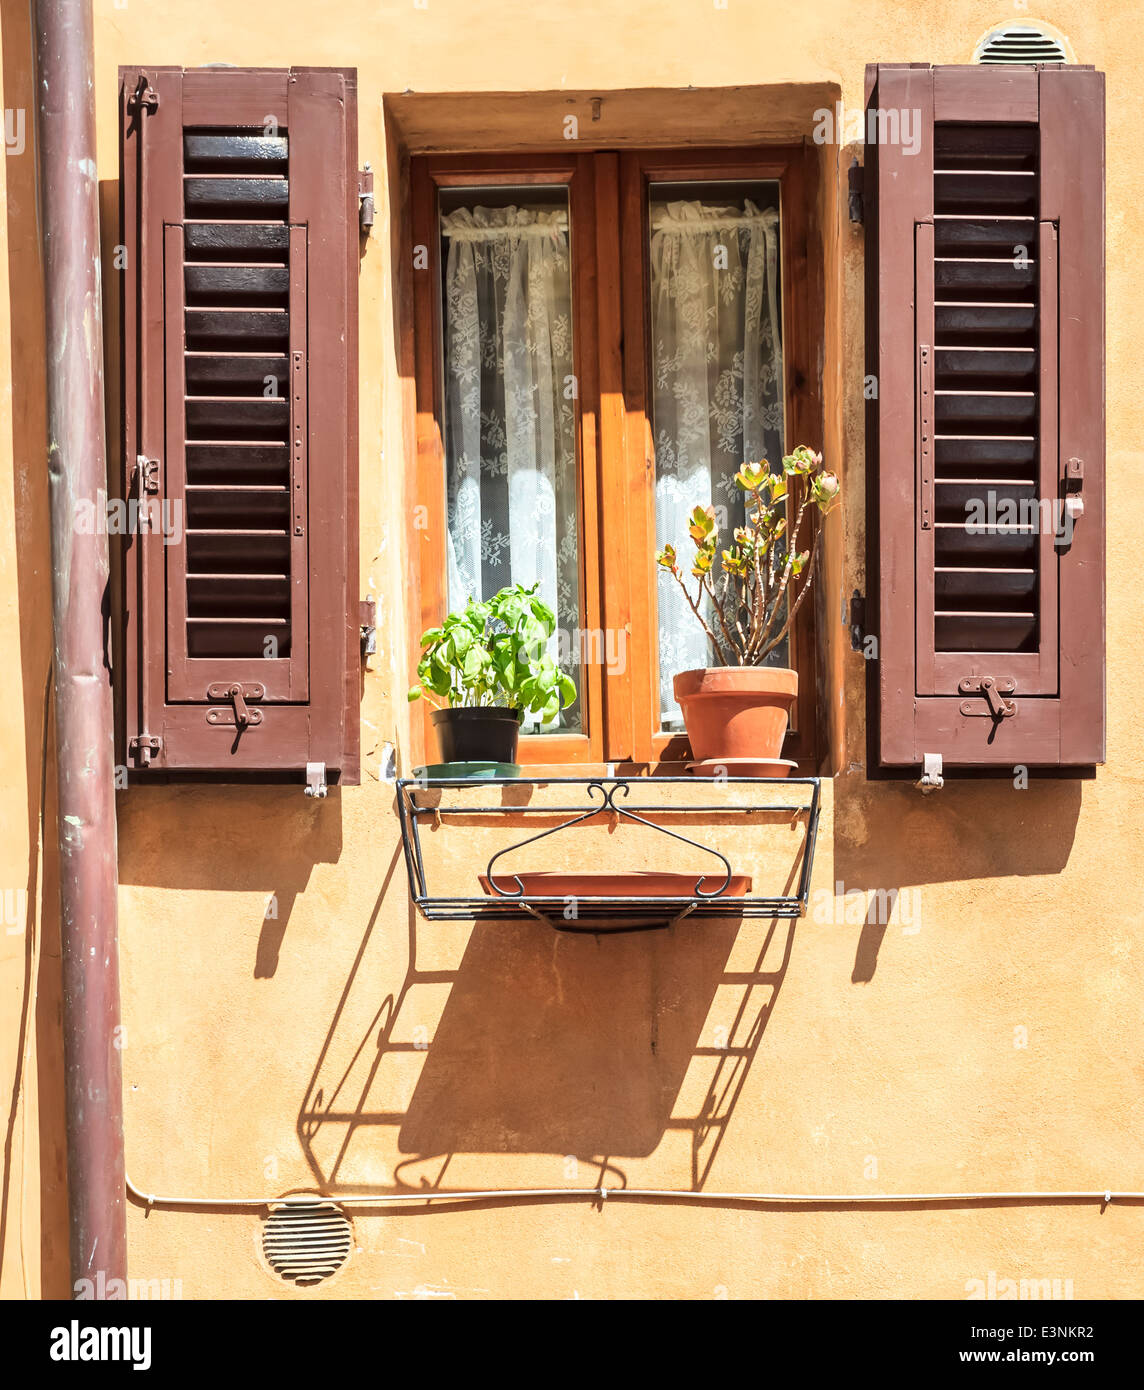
x=608, y=794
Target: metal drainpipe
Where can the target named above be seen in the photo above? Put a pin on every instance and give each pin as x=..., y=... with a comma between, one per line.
x=77, y=473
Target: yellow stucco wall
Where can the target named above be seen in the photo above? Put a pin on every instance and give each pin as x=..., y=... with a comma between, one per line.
x=992, y=1042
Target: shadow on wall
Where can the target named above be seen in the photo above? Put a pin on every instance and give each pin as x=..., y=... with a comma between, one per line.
x=545, y=1043
x=39, y=938
x=240, y=839
x=890, y=838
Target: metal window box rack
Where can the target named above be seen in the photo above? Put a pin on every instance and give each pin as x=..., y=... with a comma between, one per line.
x=507, y=897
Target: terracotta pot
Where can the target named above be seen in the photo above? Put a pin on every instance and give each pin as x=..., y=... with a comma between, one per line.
x=743, y=767
x=736, y=712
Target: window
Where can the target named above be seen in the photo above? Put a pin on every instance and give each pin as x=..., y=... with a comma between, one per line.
x=601, y=342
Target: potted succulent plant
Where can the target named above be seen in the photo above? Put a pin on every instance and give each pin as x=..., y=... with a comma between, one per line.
x=746, y=598
x=490, y=663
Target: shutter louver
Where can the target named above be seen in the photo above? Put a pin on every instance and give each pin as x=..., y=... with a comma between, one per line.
x=236, y=249
x=985, y=456
x=984, y=379
x=240, y=188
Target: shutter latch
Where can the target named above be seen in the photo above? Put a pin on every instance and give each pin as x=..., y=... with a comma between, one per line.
x=1074, y=502
x=931, y=778
x=240, y=716
x=992, y=692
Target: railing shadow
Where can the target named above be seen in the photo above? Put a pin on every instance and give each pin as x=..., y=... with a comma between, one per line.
x=545, y=1044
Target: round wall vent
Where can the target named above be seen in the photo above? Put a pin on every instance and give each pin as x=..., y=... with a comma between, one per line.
x=1023, y=43
x=306, y=1239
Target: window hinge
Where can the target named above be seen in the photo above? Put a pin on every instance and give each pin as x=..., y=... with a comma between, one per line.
x=365, y=198
x=931, y=780
x=857, y=181
x=367, y=621
x=240, y=716
x=316, y=779
x=992, y=692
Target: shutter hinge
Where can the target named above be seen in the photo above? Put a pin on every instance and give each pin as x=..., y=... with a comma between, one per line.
x=240, y=715
x=856, y=177
x=367, y=621
x=316, y=779
x=856, y=620
x=992, y=692
x=365, y=198
x=146, y=478
x=144, y=746
x=144, y=97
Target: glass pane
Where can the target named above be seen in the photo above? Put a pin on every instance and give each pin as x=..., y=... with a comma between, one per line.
x=510, y=417
x=717, y=379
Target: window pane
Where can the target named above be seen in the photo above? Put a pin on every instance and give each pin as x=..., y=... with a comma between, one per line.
x=510, y=421
x=717, y=378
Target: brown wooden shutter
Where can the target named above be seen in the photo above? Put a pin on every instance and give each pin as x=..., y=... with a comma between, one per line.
x=240, y=360
x=985, y=442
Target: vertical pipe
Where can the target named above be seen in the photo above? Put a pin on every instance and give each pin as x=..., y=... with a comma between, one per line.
x=77, y=473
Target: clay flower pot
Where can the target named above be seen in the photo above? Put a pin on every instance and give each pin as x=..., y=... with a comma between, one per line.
x=736, y=713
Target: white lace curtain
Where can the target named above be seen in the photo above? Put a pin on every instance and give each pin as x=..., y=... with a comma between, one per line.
x=717, y=387
x=509, y=411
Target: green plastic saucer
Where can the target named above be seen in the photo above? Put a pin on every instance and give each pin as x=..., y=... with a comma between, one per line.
x=467, y=770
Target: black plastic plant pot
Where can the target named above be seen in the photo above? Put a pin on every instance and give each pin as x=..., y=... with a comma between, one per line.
x=485, y=735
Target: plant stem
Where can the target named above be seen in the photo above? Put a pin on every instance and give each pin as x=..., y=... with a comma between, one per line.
x=695, y=609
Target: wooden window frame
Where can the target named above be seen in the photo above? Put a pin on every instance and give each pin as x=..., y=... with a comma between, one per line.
x=608, y=207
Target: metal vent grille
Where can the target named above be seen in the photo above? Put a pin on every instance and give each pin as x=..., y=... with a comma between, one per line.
x=306, y=1240
x=1020, y=43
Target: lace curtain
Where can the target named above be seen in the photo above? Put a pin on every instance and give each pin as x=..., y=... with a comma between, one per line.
x=510, y=413
x=717, y=388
